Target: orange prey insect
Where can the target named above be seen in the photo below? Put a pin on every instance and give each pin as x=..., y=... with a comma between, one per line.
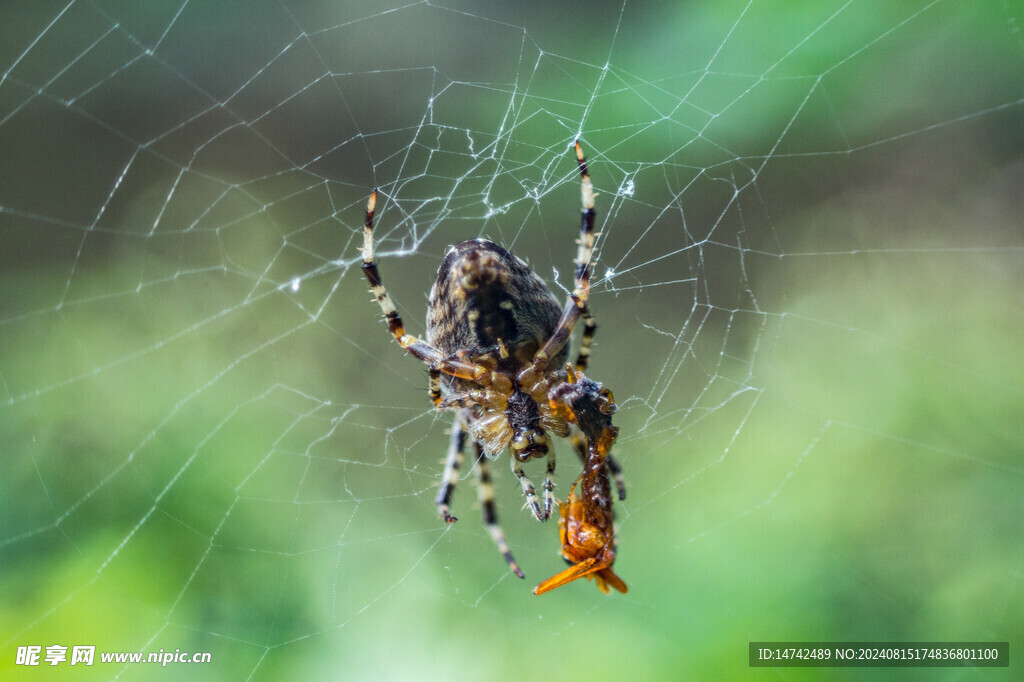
x=587, y=523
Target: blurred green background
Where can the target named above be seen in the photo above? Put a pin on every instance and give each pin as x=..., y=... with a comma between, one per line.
x=809, y=297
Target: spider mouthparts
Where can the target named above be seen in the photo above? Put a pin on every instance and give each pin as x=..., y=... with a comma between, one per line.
x=530, y=452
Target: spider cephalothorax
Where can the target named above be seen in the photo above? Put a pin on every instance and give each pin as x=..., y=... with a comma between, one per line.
x=495, y=349
x=488, y=305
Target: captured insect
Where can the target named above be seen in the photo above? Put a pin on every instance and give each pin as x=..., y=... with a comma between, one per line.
x=587, y=523
x=495, y=349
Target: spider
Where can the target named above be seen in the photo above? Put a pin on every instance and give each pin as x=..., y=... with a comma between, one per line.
x=495, y=347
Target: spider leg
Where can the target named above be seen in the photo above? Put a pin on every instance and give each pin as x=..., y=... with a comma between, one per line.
x=434, y=385
x=549, y=485
x=415, y=347
x=589, y=327
x=584, y=255
x=561, y=335
x=452, y=464
x=579, y=444
x=584, y=258
x=577, y=302
x=528, y=490
x=485, y=490
x=473, y=398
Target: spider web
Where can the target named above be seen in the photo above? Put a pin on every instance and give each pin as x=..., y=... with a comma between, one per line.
x=808, y=292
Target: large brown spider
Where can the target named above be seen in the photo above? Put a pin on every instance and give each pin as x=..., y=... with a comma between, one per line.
x=495, y=349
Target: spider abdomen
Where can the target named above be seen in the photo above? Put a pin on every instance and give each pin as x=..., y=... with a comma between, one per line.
x=482, y=295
